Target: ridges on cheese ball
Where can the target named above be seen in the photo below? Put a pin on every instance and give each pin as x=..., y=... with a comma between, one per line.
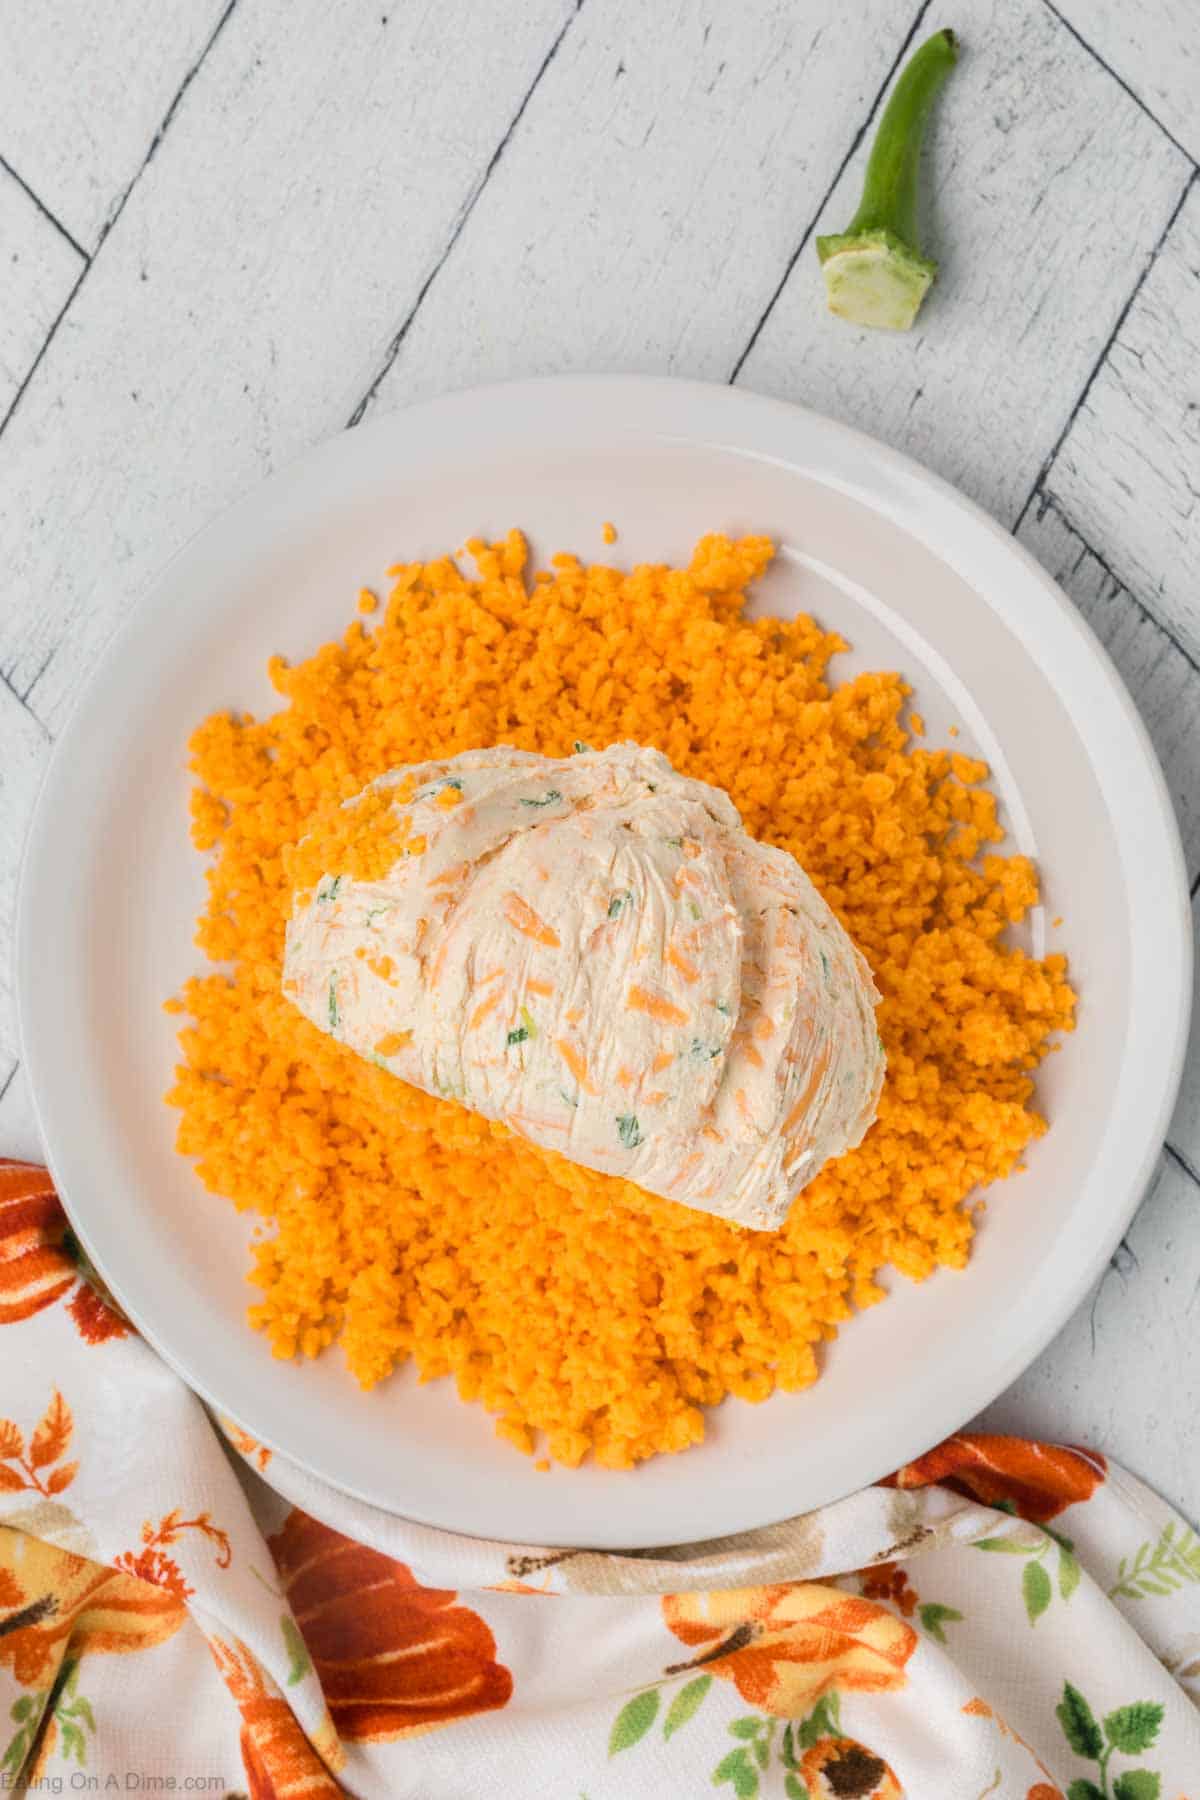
x=592, y=950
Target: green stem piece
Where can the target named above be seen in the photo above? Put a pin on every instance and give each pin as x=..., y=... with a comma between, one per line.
x=874, y=271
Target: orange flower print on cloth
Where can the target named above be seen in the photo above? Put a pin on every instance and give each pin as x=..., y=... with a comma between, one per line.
x=96, y=1319
x=840, y=1768
x=30, y=1465
x=889, y=1581
x=35, y=1270
x=784, y=1647
x=280, y=1762
x=37, y=1267
x=294, y=1780
x=52, y=1603
x=1037, y=1481
x=392, y=1657
x=151, y=1563
x=241, y=1440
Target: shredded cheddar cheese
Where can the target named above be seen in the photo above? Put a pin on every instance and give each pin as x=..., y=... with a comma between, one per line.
x=588, y=1317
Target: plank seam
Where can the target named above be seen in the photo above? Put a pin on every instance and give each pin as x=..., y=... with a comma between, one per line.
x=190, y=75
x=1151, y=258
x=1122, y=1268
x=824, y=201
x=116, y=212
x=34, y=366
x=397, y=342
x=24, y=698
x=50, y=217
x=1119, y=79
x=1183, y=1162
x=8, y=687
x=1050, y=503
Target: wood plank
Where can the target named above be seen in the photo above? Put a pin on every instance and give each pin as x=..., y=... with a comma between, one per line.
x=83, y=89
x=1154, y=50
x=1183, y=1137
x=1145, y=1303
x=26, y=752
x=19, y=1135
x=1165, y=683
x=1035, y=266
x=1128, y=471
x=644, y=215
x=40, y=269
x=314, y=174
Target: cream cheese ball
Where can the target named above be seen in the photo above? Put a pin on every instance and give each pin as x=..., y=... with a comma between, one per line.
x=593, y=950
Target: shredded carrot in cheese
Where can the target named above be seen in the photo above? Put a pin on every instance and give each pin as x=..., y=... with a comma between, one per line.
x=485, y=1007
x=640, y=999
x=687, y=969
x=522, y=917
x=576, y=1062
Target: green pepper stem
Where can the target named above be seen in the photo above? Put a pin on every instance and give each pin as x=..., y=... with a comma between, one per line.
x=889, y=196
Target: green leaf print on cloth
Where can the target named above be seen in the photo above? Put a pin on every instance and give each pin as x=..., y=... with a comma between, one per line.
x=26, y=1713
x=1132, y=1729
x=1036, y=1587
x=300, y=1661
x=934, y=1618
x=684, y=1705
x=1138, y=1784
x=70, y=1719
x=634, y=1720
x=811, y=1752
x=638, y=1715
x=1126, y=1731
x=1079, y=1724
x=1160, y=1567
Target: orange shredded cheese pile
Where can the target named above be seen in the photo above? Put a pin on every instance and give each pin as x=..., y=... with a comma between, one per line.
x=587, y=1316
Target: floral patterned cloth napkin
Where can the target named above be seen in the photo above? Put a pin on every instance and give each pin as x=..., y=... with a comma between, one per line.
x=182, y=1611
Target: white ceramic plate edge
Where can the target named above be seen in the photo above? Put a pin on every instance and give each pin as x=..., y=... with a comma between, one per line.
x=941, y=507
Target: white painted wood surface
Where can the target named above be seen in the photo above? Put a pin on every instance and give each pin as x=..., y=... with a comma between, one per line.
x=84, y=91
x=39, y=267
x=1154, y=50
x=24, y=752
x=1164, y=681
x=1184, y=1134
x=1034, y=272
x=316, y=168
x=1099, y=1376
x=1128, y=470
x=246, y=222
x=691, y=179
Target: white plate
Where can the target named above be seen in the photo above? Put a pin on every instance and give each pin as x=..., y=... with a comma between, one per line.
x=917, y=579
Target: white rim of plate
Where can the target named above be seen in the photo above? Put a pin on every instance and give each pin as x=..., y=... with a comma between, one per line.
x=957, y=530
